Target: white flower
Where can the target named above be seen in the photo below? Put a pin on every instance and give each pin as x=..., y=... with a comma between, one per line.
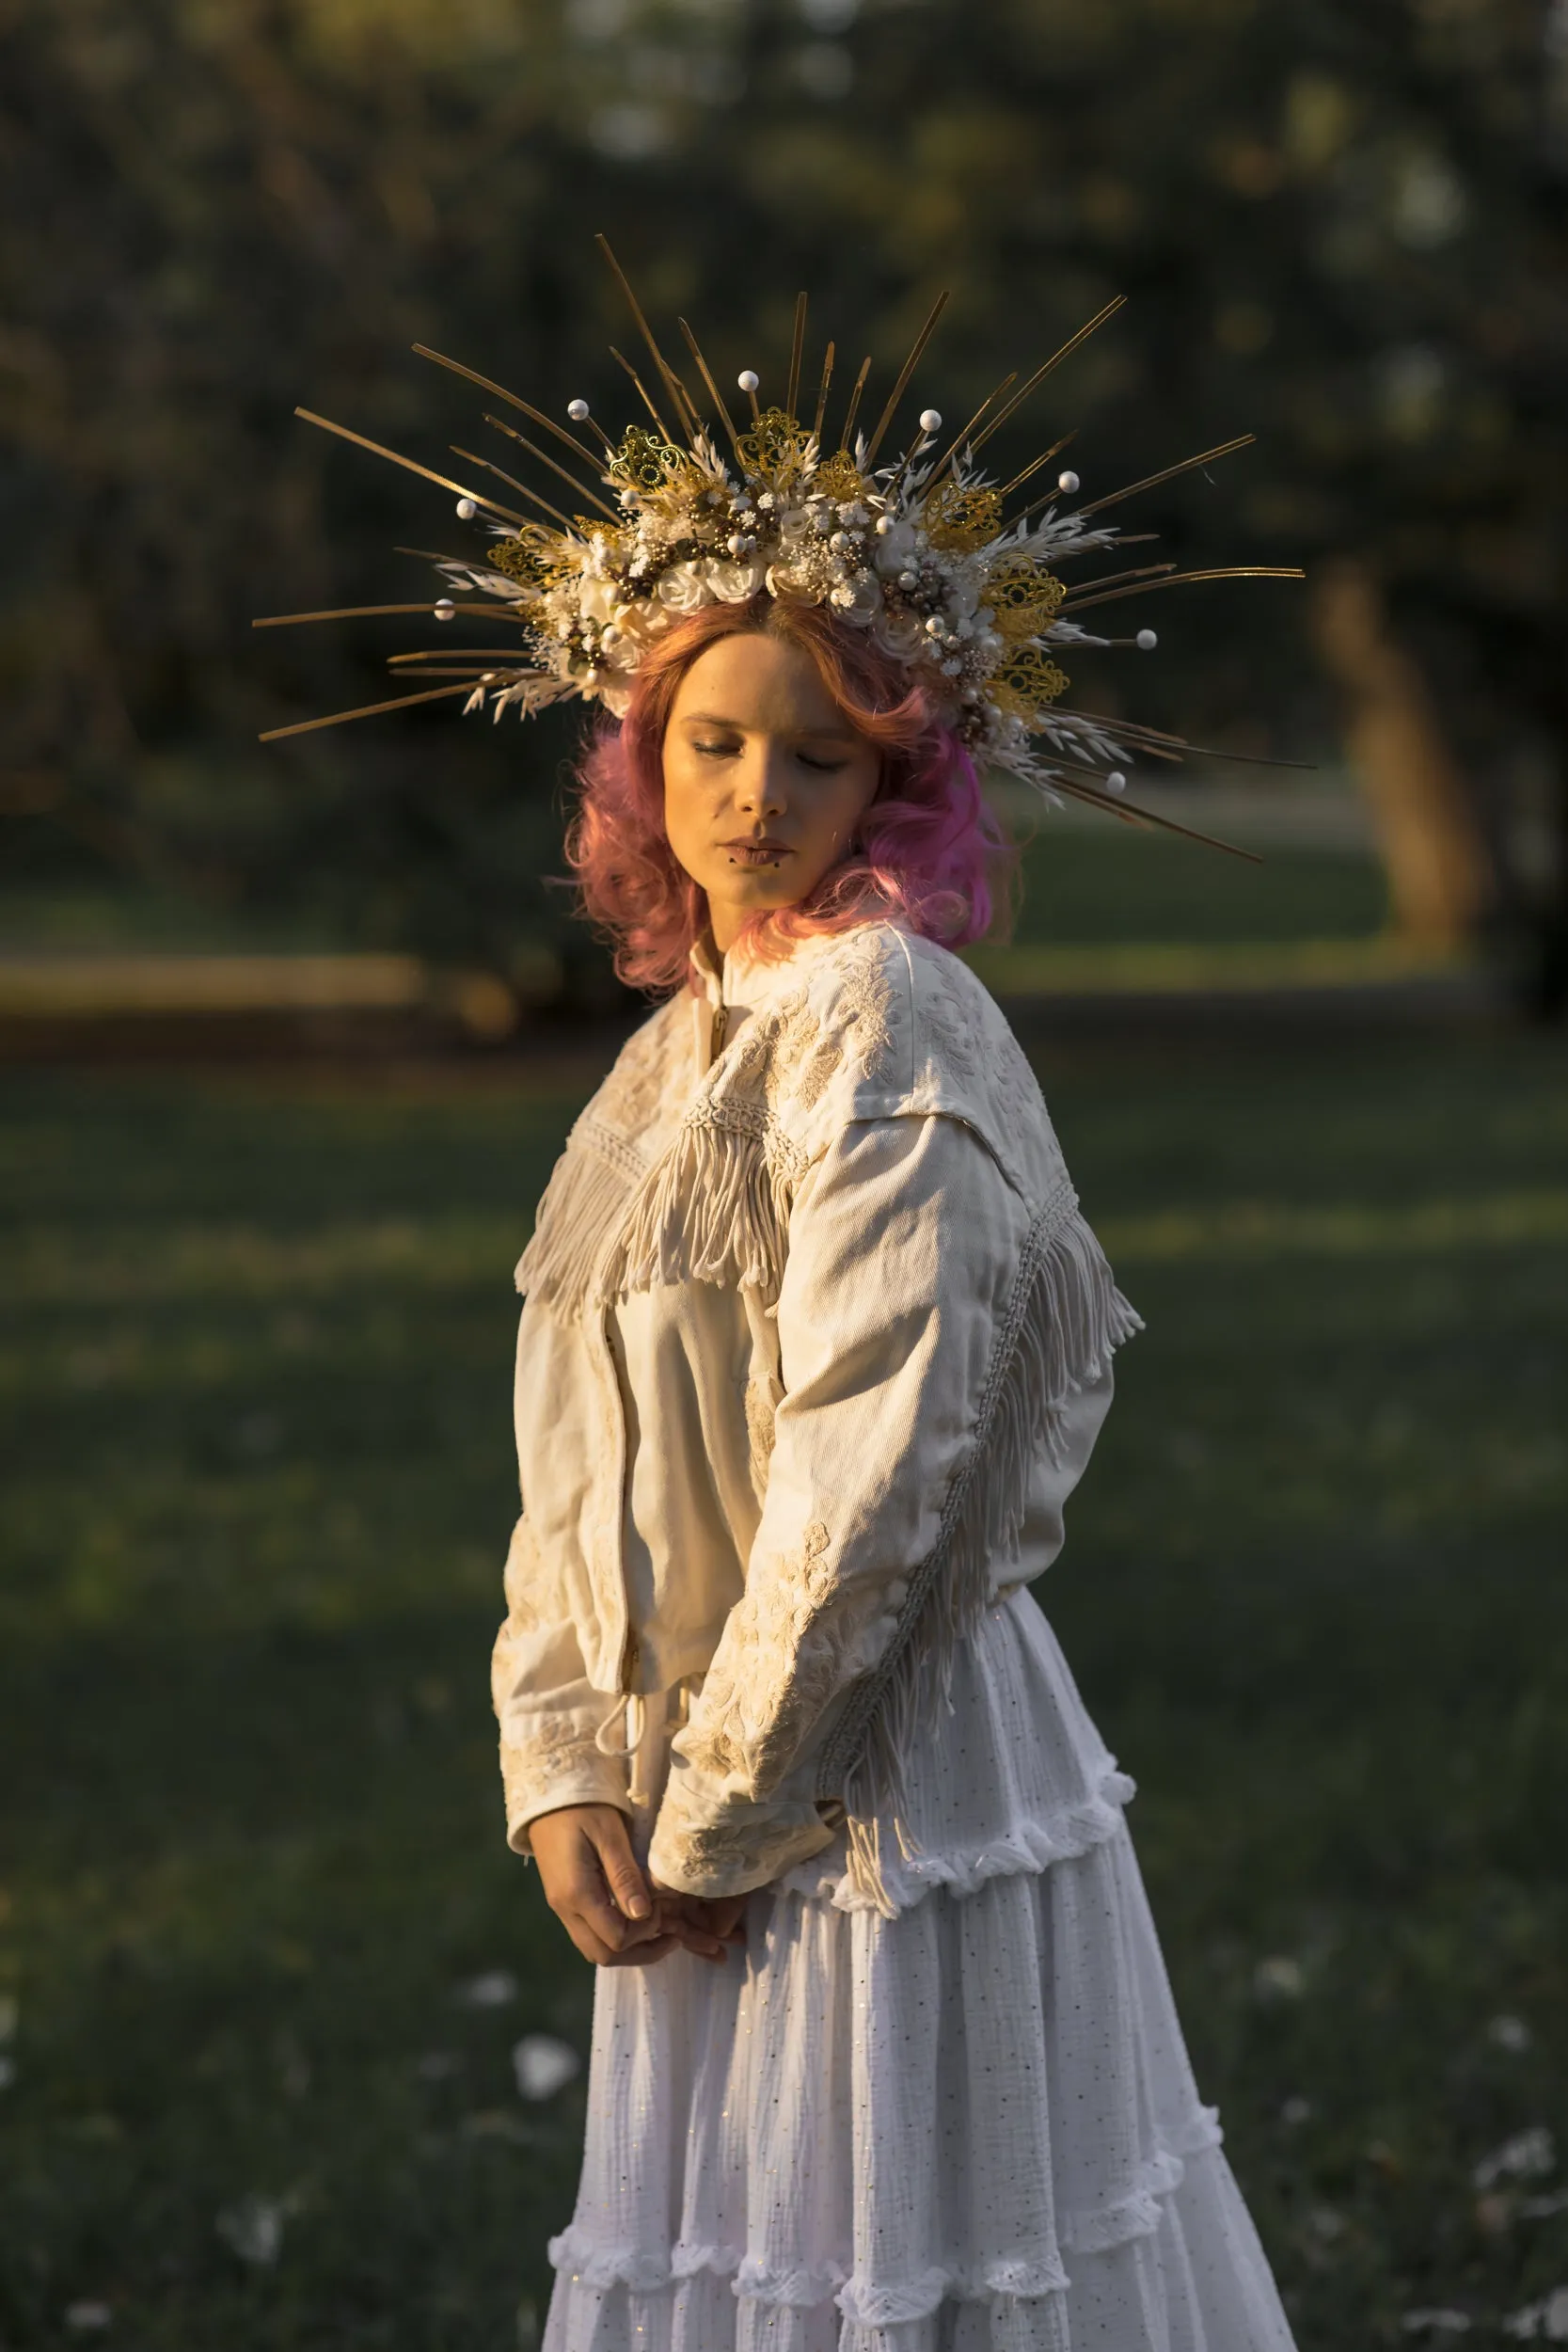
x=733, y=583
x=84, y=2318
x=900, y=634
x=895, y=548
x=616, y=699
x=542, y=2065
x=1549, y=2318
x=597, y=598
x=1435, y=2323
x=1278, y=1977
x=684, y=588
x=1525, y=2158
x=1508, y=2033
x=493, y=1990
x=252, y=2228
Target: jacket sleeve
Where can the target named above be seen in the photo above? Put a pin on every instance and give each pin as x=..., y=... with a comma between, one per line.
x=549, y=1714
x=904, y=1243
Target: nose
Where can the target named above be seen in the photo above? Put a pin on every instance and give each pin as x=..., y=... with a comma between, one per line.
x=761, y=790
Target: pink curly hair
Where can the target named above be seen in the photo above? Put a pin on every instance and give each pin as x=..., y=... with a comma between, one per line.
x=928, y=848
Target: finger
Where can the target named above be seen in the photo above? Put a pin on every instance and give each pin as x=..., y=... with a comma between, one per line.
x=619, y=1864
x=589, y=1902
x=642, y=1955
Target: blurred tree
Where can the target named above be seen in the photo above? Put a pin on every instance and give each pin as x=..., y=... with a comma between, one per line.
x=1341, y=223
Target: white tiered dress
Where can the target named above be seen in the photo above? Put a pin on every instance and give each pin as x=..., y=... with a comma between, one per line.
x=970, y=2127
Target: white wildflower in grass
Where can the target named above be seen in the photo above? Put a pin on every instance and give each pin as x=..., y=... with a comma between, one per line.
x=1508, y=2033
x=1297, y=2110
x=493, y=1989
x=1542, y=2208
x=1327, y=2225
x=1525, y=2158
x=252, y=2228
x=1278, y=1977
x=542, y=2065
x=1546, y=2322
x=86, y=2318
x=1436, y=2322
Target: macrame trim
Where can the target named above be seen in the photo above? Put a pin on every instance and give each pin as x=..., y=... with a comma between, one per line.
x=716, y=1209
x=584, y=1203
x=1064, y=1318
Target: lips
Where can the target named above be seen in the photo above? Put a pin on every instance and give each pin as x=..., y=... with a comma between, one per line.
x=763, y=852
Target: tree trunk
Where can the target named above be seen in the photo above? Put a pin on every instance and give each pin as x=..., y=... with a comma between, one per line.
x=1439, y=876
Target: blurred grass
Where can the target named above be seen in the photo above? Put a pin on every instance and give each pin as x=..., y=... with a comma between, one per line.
x=256, y=1373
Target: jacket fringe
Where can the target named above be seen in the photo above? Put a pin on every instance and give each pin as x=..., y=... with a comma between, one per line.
x=716, y=1209
x=584, y=1201
x=1064, y=1319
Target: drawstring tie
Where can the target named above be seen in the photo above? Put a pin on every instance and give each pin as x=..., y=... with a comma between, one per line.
x=639, y=1728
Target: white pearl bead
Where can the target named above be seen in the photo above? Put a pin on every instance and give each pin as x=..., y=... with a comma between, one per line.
x=1116, y=780
x=1148, y=640
x=577, y=411
x=933, y=626
x=909, y=580
x=467, y=509
x=1067, y=483
x=884, y=524
x=748, y=379
x=930, y=420
x=446, y=610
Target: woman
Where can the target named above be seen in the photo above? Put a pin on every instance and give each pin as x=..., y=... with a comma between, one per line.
x=816, y=1345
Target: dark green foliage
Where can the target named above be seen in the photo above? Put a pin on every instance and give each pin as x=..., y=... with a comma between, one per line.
x=1340, y=222
x=257, y=1488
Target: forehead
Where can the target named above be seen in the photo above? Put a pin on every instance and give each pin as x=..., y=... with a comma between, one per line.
x=763, y=684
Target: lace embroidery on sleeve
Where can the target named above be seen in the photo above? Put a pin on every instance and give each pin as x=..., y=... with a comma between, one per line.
x=785, y=1660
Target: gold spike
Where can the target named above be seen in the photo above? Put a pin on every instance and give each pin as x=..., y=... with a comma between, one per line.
x=1134, y=812
x=714, y=394
x=370, y=710
x=475, y=672
x=822, y=393
x=1112, y=579
x=1070, y=555
x=756, y=412
x=796, y=351
x=376, y=449
x=646, y=331
x=904, y=374
x=591, y=456
x=593, y=497
x=346, y=613
x=486, y=655
x=512, y=484
x=1182, y=580
x=664, y=430
x=1055, y=359
x=1036, y=463
x=1162, y=746
x=855, y=402
x=1112, y=498
x=950, y=454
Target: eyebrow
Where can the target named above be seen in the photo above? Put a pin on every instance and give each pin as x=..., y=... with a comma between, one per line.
x=715, y=719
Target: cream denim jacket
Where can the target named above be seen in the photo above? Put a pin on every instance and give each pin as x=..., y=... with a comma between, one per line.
x=814, y=1346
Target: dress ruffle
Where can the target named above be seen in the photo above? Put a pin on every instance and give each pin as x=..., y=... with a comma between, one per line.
x=971, y=2127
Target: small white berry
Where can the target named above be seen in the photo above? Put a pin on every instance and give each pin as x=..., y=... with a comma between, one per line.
x=1116, y=780
x=930, y=420
x=1067, y=483
x=446, y=610
x=909, y=580
x=884, y=524
x=748, y=379
x=934, y=625
x=467, y=509
x=1147, y=639
x=578, y=410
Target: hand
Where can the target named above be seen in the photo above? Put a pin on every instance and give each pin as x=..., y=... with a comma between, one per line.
x=594, y=1886
x=721, y=1918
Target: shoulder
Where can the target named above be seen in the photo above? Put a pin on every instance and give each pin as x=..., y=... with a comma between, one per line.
x=887, y=1024
x=647, y=1088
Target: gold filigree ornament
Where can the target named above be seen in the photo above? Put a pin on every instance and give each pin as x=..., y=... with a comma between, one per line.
x=918, y=551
